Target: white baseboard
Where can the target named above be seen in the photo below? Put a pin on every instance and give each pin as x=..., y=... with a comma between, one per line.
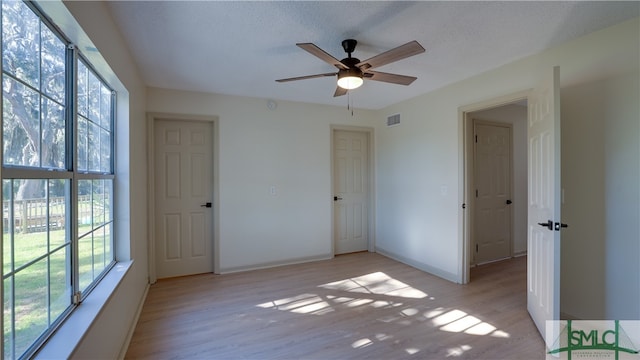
x=134, y=323
x=275, y=264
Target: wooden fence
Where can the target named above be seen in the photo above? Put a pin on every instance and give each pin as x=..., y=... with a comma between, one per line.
x=30, y=215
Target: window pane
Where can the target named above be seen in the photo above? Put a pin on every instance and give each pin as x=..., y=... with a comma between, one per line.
x=8, y=317
x=99, y=261
x=31, y=307
x=108, y=241
x=58, y=207
x=105, y=151
x=83, y=89
x=95, y=244
x=95, y=136
x=85, y=207
x=93, y=152
x=7, y=216
x=98, y=203
x=82, y=144
x=21, y=42
x=85, y=260
x=53, y=65
x=94, y=97
x=30, y=219
x=37, y=278
x=60, y=280
x=21, y=125
x=53, y=135
x=108, y=200
x=105, y=108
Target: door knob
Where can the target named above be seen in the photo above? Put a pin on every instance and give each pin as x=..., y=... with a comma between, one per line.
x=560, y=225
x=207, y=205
x=548, y=225
x=509, y=202
x=336, y=198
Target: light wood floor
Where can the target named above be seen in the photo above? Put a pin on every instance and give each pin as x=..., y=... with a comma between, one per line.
x=354, y=306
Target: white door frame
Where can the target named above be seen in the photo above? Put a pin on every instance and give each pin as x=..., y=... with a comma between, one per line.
x=466, y=182
x=371, y=190
x=151, y=119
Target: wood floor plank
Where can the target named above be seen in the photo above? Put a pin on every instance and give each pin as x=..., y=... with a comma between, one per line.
x=354, y=306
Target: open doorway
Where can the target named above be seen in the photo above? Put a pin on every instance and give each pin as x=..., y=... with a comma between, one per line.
x=495, y=181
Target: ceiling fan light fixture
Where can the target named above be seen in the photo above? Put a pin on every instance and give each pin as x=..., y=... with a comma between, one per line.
x=350, y=79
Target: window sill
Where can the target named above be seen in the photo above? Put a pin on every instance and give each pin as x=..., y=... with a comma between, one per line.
x=68, y=336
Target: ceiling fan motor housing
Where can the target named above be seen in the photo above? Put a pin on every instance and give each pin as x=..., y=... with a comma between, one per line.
x=352, y=71
x=349, y=46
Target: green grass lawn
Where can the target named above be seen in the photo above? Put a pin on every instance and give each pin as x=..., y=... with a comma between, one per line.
x=42, y=291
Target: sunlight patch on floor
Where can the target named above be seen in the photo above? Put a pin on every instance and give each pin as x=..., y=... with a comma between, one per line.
x=458, y=351
x=361, y=343
x=301, y=304
x=376, y=283
x=409, y=312
x=411, y=351
x=459, y=321
x=461, y=324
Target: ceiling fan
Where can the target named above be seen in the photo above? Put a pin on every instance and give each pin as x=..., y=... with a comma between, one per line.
x=352, y=71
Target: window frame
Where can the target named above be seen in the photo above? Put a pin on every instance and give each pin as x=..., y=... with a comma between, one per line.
x=70, y=173
x=90, y=175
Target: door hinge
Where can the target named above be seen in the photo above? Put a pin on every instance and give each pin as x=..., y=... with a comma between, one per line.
x=476, y=192
x=476, y=139
x=464, y=205
x=77, y=297
x=476, y=247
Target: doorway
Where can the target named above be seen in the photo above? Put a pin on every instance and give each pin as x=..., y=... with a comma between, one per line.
x=182, y=195
x=352, y=181
x=543, y=198
x=501, y=199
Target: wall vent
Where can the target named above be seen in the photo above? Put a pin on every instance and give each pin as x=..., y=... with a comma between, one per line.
x=393, y=120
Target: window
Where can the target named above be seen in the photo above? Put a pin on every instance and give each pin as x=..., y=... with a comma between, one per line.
x=57, y=178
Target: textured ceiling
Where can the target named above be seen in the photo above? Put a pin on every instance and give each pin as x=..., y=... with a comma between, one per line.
x=240, y=48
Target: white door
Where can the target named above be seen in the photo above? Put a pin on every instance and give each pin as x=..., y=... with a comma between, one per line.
x=492, y=218
x=351, y=187
x=543, y=272
x=183, y=195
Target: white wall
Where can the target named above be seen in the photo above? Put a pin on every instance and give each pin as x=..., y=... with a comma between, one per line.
x=515, y=115
x=600, y=176
x=288, y=148
x=108, y=333
x=420, y=225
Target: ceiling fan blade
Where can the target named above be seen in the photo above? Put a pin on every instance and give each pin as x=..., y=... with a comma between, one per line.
x=401, y=52
x=389, y=78
x=322, y=55
x=340, y=91
x=306, y=77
